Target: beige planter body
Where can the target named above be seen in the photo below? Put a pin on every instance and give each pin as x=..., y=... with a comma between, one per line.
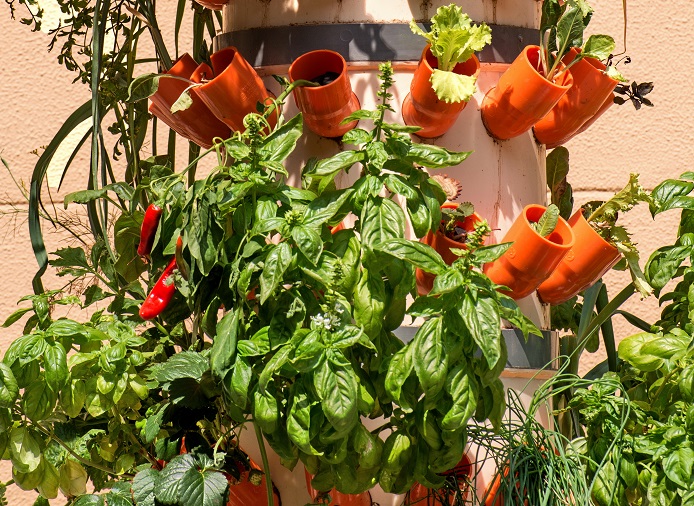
x=499, y=178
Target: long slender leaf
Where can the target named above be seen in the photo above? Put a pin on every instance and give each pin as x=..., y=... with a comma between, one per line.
x=37, y=177
x=607, y=330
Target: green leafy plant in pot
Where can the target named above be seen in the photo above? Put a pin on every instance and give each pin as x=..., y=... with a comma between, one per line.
x=447, y=72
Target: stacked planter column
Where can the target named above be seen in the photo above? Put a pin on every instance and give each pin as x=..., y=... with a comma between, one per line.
x=499, y=178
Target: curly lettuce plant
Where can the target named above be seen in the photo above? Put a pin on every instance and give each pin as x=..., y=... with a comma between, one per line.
x=453, y=39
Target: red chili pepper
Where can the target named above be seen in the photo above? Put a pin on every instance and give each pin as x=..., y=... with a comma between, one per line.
x=149, y=229
x=161, y=294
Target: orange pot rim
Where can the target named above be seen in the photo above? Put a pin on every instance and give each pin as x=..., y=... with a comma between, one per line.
x=313, y=89
x=524, y=215
x=578, y=216
x=526, y=62
x=425, y=61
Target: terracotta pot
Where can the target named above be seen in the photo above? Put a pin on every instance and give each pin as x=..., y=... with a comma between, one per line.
x=590, y=90
x=215, y=5
x=443, y=245
x=422, y=107
x=337, y=498
x=235, y=89
x=324, y=107
x=586, y=262
x=197, y=123
x=522, y=97
x=531, y=258
x=419, y=495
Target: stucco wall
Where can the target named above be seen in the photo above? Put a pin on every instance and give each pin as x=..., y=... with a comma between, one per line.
x=37, y=95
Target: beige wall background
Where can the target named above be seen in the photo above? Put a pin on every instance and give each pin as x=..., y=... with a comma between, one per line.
x=38, y=95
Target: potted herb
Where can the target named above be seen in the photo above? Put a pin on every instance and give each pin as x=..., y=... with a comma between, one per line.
x=536, y=81
x=325, y=106
x=458, y=220
x=539, y=239
x=599, y=245
x=447, y=72
x=456, y=490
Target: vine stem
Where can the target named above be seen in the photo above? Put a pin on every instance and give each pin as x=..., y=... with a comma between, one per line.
x=266, y=464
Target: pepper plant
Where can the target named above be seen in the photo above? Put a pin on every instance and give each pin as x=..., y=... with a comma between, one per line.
x=269, y=319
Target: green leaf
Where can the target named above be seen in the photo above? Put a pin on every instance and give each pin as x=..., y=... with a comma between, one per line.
x=90, y=500
x=369, y=303
x=336, y=163
x=570, y=29
x=418, y=254
x=276, y=264
x=482, y=319
x=325, y=207
x=240, y=380
x=142, y=87
x=39, y=400
x=280, y=143
x=299, y=421
x=557, y=169
x=204, y=487
x=309, y=242
x=72, y=399
x=678, y=466
x=340, y=404
x=55, y=364
x=381, y=219
x=547, y=222
x=9, y=390
x=435, y=157
x=399, y=370
x=153, y=423
x=273, y=365
x=599, y=47
x=185, y=364
x=265, y=411
x=453, y=88
x=223, y=349
x=429, y=358
x=167, y=487
x=84, y=196
x=182, y=103
x=25, y=449
x=462, y=389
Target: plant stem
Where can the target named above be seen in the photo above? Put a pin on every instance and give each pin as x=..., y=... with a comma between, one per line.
x=266, y=464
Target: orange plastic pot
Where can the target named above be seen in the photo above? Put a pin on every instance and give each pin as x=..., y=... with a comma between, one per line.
x=324, y=107
x=604, y=107
x=197, y=123
x=443, y=245
x=419, y=495
x=522, y=96
x=235, y=89
x=422, y=107
x=590, y=90
x=531, y=258
x=586, y=262
x=215, y=5
x=336, y=498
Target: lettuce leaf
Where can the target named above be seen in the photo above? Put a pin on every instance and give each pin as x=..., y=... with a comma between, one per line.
x=451, y=87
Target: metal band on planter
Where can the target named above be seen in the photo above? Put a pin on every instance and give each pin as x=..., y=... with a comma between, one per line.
x=365, y=42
